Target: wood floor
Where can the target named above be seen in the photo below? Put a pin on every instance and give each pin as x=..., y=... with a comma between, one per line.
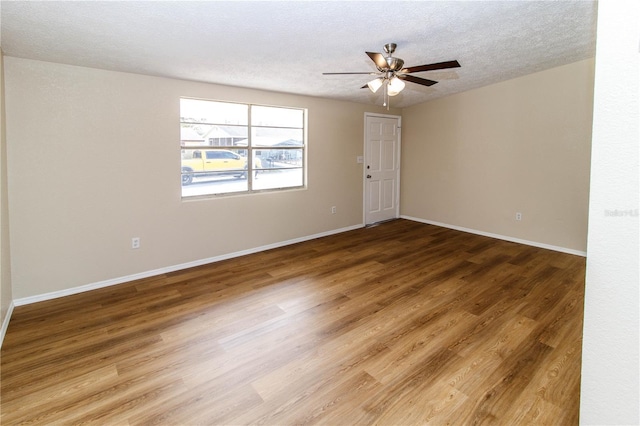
x=401, y=323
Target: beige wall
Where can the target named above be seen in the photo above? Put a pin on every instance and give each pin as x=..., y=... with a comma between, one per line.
x=474, y=159
x=5, y=258
x=94, y=156
x=95, y=161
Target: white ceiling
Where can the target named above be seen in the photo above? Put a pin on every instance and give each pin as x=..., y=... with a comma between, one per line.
x=286, y=46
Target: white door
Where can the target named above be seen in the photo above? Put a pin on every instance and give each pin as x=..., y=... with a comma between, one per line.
x=382, y=168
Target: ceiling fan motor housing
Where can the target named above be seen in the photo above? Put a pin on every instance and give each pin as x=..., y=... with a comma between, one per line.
x=395, y=64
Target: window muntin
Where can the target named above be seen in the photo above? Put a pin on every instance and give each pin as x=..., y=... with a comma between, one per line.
x=233, y=148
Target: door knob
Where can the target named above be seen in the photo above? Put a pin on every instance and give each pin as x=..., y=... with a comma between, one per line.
x=368, y=176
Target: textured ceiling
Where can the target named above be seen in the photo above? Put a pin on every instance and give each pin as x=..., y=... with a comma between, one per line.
x=286, y=46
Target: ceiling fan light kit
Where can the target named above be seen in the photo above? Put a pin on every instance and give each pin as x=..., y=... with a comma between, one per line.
x=375, y=84
x=395, y=86
x=392, y=74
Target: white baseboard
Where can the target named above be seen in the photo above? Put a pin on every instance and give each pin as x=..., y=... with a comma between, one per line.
x=147, y=274
x=5, y=322
x=499, y=237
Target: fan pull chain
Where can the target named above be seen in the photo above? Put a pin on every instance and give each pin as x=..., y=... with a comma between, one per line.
x=385, y=98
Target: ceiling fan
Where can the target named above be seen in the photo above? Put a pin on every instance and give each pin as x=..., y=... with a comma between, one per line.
x=392, y=75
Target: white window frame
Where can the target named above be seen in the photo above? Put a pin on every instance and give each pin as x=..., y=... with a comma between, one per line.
x=250, y=148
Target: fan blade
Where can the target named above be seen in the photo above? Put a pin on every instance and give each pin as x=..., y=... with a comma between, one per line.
x=430, y=67
x=379, y=60
x=345, y=73
x=414, y=79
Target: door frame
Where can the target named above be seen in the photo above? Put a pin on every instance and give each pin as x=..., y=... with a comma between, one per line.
x=367, y=115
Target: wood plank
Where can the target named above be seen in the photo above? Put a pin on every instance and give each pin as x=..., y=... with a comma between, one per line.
x=400, y=323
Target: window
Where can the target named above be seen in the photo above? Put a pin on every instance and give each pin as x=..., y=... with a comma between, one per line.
x=234, y=148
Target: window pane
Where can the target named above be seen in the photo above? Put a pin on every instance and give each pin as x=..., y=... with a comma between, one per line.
x=277, y=117
x=192, y=134
x=213, y=135
x=213, y=186
x=213, y=171
x=197, y=111
x=268, y=136
x=220, y=148
x=226, y=136
x=274, y=179
x=279, y=158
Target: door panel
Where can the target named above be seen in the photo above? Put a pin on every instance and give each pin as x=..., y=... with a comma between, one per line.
x=374, y=197
x=388, y=194
x=389, y=155
x=382, y=168
x=374, y=160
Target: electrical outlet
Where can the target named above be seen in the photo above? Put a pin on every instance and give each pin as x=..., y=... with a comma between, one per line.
x=333, y=210
x=135, y=243
x=518, y=216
